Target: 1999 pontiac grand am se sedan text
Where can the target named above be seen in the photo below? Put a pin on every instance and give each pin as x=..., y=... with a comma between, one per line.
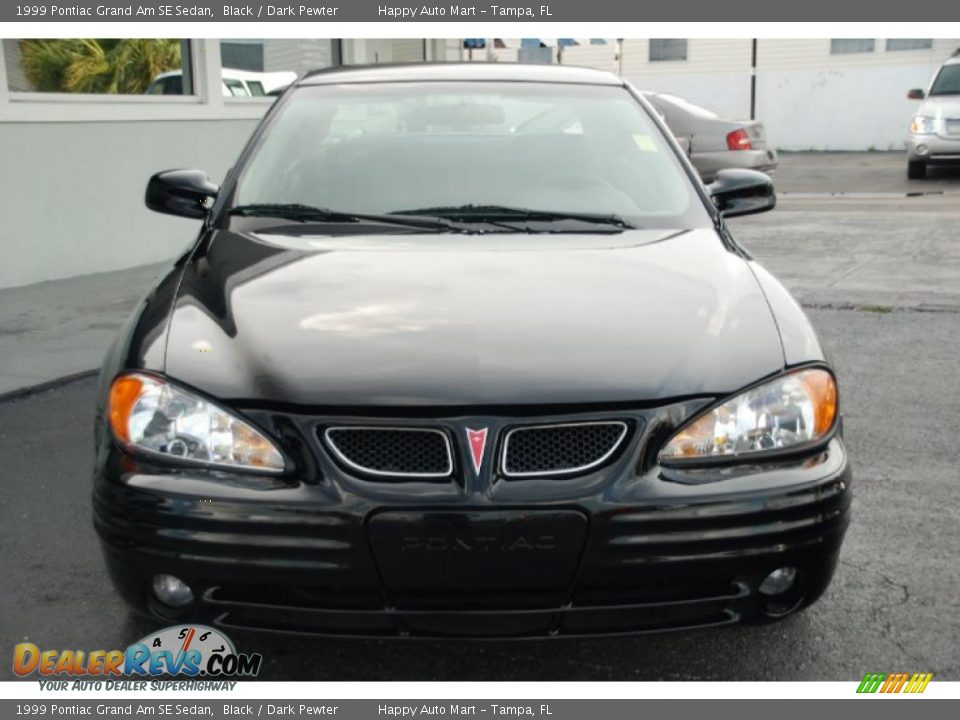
x=431, y=371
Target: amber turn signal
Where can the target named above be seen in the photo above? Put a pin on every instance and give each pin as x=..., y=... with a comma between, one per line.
x=123, y=396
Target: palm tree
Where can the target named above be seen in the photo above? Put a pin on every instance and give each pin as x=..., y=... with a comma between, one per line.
x=123, y=66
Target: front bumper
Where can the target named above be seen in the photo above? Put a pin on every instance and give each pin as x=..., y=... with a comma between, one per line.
x=628, y=549
x=933, y=149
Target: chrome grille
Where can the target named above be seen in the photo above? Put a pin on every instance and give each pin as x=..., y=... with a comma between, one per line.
x=392, y=451
x=562, y=449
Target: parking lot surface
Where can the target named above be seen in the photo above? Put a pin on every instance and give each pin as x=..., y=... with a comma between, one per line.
x=858, y=172
x=880, y=277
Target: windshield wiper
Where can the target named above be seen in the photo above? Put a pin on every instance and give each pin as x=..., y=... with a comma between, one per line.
x=307, y=213
x=499, y=213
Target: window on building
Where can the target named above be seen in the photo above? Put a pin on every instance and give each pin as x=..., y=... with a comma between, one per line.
x=851, y=46
x=124, y=66
x=242, y=54
x=407, y=50
x=894, y=45
x=667, y=50
x=253, y=68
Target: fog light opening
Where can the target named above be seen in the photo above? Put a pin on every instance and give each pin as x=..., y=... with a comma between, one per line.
x=781, y=591
x=171, y=591
x=779, y=581
x=922, y=149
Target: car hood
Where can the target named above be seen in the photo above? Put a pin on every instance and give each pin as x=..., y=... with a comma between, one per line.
x=941, y=106
x=469, y=320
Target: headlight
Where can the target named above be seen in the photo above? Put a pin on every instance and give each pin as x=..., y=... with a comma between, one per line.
x=152, y=415
x=923, y=125
x=794, y=410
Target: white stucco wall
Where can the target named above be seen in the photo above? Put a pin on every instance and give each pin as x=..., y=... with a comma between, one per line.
x=716, y=73
x=73, y=192
x=853, y=108
x=727, y=94
x=808, y=98
x=859, y=108
x=75, y=167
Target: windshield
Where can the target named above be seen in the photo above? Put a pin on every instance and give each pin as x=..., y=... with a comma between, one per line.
x=549, y=148
x=947, y=82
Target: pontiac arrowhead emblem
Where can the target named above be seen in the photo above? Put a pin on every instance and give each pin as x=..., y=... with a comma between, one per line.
x=477, y=440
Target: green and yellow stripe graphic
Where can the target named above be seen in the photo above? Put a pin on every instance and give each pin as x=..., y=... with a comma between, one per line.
x=894, y=682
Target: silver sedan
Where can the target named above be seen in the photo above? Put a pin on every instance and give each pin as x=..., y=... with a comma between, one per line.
x=714, y=143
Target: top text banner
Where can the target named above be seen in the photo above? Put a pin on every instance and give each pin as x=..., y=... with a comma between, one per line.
x=551, y=11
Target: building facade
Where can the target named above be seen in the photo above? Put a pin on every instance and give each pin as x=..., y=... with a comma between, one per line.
x=76, y=163
x=811, y=94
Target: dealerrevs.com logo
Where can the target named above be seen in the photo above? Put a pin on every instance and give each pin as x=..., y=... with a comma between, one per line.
x=180, y=650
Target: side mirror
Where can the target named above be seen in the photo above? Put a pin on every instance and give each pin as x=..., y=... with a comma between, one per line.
x=742, y=192
x=916, y=94
x=180, y=192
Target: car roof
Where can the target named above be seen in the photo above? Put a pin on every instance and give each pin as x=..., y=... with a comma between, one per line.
x=456, y=71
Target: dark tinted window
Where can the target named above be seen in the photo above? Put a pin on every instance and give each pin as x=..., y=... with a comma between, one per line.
x=666, y=50
x=947, y=82
x=898, y=44
x=849, y=46
x=173, y=85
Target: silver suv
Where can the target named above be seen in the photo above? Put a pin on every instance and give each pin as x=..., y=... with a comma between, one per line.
x=935, y=129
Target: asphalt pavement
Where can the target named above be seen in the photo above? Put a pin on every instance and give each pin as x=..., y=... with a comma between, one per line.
x=880, y=277
x=858, y=173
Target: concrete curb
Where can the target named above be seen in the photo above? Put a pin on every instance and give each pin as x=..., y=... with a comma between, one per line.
x=46, y=385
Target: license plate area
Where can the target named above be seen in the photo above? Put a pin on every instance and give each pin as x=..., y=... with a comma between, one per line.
x=482, y=559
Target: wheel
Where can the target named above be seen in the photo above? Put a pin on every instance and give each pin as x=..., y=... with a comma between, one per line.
x=916, y=169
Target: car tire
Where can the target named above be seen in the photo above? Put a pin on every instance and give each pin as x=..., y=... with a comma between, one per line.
x=916, y=169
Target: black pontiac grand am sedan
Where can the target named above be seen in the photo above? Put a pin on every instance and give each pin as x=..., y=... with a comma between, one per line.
x=467, y=351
